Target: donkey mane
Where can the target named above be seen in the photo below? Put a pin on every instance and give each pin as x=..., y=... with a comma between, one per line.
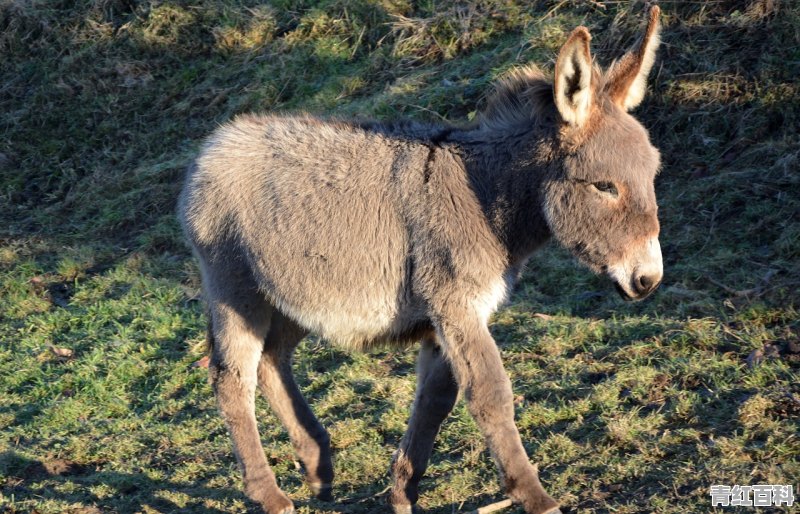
x=521, y=96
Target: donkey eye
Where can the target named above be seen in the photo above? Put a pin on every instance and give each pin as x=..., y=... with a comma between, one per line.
x=606, y=187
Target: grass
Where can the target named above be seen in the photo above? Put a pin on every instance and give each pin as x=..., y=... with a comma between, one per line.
x=626, y=408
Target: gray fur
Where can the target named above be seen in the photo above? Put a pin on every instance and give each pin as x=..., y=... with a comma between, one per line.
x=377, y=234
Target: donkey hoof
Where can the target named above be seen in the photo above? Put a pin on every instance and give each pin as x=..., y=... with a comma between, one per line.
x=278, y=506
x=322, y=491
x=279, y=510
x=404, y=509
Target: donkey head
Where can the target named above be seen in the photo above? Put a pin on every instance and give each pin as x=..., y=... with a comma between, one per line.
x=601, y=203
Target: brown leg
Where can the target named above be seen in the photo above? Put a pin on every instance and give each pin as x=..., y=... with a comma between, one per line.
x=238, y=338
x=436, y=394
x=310, y=440
x=487, y=390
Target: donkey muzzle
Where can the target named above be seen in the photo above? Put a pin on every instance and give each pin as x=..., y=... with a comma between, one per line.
x=644, y=284
x=641, y=274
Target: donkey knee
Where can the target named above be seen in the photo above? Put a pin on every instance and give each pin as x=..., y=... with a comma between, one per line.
x=437, y=406
x=491, y=401
x=234, y=393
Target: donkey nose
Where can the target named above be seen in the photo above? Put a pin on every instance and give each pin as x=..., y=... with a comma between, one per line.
x=645, y=284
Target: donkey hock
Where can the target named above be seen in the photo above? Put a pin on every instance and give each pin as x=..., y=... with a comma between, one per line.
x=387, y=233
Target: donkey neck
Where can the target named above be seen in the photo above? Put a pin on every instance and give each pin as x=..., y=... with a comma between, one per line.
x=506, y=171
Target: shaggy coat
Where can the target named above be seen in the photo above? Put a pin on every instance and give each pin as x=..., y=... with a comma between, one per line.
x=388, y=233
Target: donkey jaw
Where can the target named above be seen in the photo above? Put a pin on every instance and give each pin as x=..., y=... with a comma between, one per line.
x=638, y=276
x=625, y=296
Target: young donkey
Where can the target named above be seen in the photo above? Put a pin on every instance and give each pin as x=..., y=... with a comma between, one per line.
x=376, y=233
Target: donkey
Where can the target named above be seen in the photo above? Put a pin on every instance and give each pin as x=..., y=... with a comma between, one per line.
x=370, y=233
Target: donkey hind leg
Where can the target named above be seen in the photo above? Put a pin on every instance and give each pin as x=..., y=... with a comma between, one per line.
x=436, y=394
x=238, y=330
x=309, y=438
x=479, y=371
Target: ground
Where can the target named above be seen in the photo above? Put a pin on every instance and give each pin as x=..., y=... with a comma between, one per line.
x=626, y=408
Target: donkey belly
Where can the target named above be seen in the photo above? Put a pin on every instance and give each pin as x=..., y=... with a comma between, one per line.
x=337, y=277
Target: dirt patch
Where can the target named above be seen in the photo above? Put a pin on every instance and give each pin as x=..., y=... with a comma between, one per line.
x=49, y=468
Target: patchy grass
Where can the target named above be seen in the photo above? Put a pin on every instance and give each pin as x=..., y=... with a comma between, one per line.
x=626, y=408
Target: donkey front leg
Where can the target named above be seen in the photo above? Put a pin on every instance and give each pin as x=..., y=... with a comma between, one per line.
x=237, y=342
x=487, y=390
x=436, y=395
x=309, y=437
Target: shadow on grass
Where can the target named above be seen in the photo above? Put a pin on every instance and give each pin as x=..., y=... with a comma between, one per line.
x=23, y=413
x=34, y=481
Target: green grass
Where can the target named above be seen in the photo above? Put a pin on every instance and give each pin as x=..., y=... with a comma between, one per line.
x=627, y=408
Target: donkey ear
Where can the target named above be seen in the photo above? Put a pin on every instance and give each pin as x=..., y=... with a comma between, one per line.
x=626, y=80
x=572, y=88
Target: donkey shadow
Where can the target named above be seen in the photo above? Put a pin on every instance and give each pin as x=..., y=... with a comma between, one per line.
x=132, y=492
x=136, y=492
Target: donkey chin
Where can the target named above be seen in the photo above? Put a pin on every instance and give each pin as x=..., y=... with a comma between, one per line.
x=640, y=273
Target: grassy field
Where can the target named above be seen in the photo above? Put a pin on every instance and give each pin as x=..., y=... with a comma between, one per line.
x=626, y=408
